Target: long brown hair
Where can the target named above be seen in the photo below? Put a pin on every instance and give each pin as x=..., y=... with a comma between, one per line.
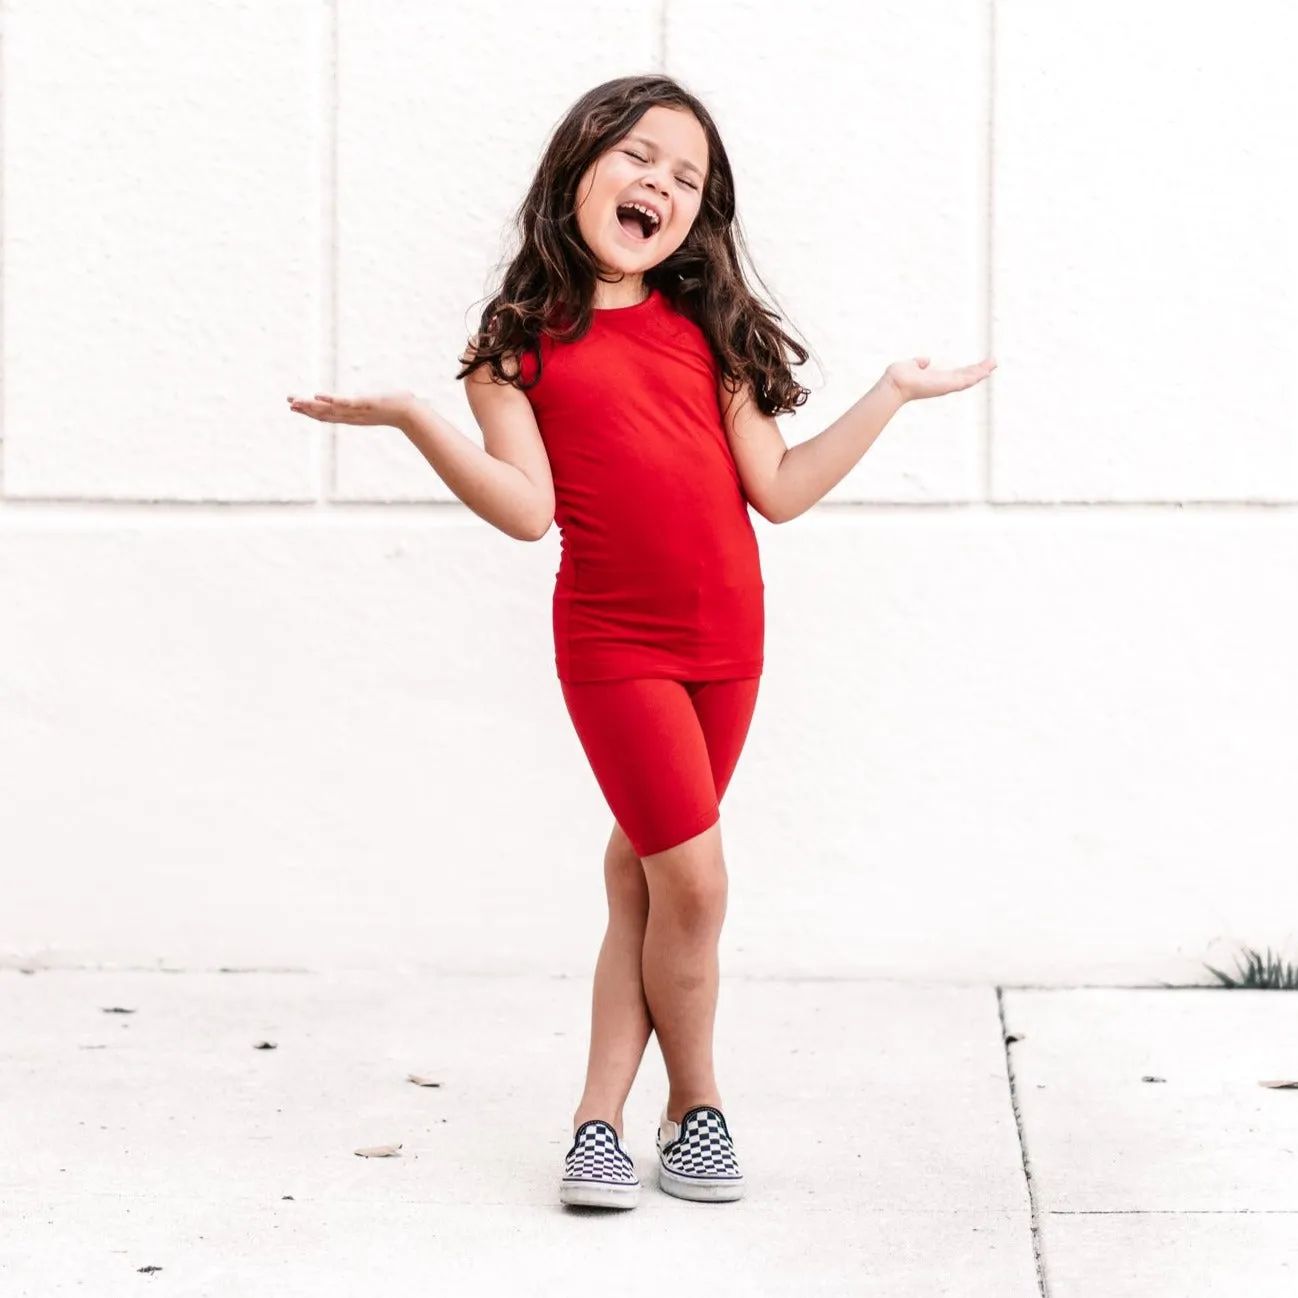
x=552, y=278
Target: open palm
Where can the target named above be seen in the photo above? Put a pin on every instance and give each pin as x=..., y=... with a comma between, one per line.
x=379, y=408
x=914, y=379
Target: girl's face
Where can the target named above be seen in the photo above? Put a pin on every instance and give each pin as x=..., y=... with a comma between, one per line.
x=660, y=164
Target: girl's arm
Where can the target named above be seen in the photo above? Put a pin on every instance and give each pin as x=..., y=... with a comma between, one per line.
x=783, y=483
x=509, y=483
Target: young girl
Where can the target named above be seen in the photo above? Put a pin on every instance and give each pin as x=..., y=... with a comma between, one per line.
x=625, y=379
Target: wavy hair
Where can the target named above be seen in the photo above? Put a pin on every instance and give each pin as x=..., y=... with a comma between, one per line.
x=551, y=280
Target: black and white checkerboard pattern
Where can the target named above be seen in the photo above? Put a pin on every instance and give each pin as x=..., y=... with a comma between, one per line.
x=703, y=1149
x=597, y=1158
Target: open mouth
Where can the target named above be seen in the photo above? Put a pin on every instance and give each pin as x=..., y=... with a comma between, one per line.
x=638, y=222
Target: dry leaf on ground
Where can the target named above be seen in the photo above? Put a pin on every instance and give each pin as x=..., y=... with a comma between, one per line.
x=379, y=1151
x=1281, y=1086
x=421, y=1081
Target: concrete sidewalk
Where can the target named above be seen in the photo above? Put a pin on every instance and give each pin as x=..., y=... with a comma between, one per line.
x=876, y=1124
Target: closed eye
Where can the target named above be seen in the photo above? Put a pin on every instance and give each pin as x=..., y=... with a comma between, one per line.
x=630, y=153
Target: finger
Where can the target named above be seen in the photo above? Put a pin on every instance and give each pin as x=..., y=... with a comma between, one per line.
x=315, y=410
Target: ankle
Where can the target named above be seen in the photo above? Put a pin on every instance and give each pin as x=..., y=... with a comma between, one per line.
x=677, y=1109
x=584, y=1114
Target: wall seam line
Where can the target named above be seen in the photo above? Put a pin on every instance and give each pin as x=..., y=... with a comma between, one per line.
x=989, y=245
x=107, y=506
x=327, y=451
x=4, y=375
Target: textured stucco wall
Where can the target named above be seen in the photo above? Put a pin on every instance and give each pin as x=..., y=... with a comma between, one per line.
x=269, y=696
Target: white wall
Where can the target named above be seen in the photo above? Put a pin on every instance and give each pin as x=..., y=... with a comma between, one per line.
x=268, y=696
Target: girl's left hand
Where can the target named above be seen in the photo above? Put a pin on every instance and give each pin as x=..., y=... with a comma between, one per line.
x=390, y=408
x=914, y=380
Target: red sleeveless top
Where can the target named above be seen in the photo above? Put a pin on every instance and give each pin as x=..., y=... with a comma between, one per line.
x=659, y=574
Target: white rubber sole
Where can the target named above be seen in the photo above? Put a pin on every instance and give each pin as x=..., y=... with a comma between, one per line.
x=592, y=1194
x=700, y=1189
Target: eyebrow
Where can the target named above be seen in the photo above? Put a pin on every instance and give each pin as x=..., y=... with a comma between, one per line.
x=685, y=165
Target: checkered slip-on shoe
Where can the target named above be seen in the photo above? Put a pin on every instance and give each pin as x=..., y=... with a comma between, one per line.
x=696, y=1159
x=597, y=1171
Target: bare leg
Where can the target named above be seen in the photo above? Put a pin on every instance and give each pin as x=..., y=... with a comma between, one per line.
x=619, y=1022
x=687, y=888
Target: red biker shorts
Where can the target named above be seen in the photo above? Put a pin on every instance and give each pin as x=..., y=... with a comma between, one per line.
x=662, y=751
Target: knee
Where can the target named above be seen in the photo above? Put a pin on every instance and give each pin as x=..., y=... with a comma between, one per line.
x=689, y=883
x=696, y=903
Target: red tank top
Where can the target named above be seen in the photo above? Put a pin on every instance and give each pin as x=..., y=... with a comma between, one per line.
x=659, y=574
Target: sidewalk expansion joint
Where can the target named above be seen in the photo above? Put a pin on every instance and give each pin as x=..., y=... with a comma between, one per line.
x=1035, y=1214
